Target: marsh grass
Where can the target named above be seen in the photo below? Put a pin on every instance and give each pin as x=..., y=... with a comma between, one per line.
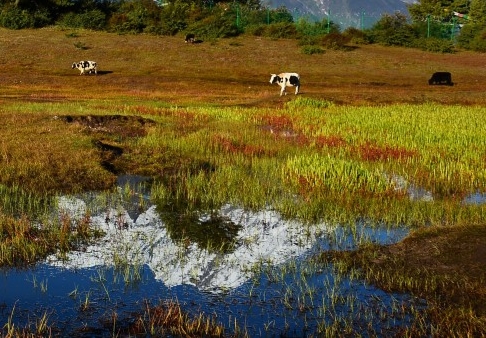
x=45, y=155
x=442, y=265
x=40, y=328
x=338, y=299
x=338, y=165
x=22, y=242
x=301, y=162
x=169, y=318
x=166, y=318
x=220, y=133
x=326, y=170
x=16, y=201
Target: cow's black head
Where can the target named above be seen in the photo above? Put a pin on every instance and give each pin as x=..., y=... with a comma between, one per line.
x=274, y=78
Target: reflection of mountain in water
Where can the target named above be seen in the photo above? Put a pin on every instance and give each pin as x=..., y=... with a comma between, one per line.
x=212, y=251
x=212, y=231
x=263, y=237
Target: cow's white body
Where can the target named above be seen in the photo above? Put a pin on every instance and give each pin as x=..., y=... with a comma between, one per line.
x=85, y=66
x=286, y=80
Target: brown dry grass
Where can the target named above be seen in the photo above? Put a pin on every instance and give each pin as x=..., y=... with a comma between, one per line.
x=36, y=65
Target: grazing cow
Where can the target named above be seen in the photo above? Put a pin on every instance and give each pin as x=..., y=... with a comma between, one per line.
x=286, y=80
x=191, y=38
x=441, y=78
x=85, y=66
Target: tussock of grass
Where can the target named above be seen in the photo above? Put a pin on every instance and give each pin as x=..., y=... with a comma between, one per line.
x=169, y=319
x=25, y=241
x=444, y=265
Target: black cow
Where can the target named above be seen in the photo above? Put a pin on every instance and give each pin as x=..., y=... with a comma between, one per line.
x=441, y=78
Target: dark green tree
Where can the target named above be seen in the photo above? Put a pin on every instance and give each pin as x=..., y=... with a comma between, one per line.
x=393, y=30
x=473, y=33
x=438, y=10
x=477, y=12
x=425, y=9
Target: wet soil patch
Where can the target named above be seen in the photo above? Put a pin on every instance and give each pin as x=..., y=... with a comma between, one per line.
x=120, y=125
x=109, y=153
x=109, y=132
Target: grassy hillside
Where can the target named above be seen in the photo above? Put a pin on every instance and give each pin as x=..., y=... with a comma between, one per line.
x=36, y=65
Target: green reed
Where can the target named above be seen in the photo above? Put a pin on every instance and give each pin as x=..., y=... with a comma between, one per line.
x=315, y=160
x=16, y=201
x=41, y=327
x=310, y=160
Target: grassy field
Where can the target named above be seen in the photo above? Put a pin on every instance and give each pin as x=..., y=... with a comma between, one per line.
x=204, y=120
x=36, y=65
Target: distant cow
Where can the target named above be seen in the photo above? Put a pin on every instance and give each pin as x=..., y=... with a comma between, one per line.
x=286, y=80
x=190, y=38
x=441, y=78
x=85, y=66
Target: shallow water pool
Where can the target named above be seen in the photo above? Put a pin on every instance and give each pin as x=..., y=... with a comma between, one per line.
x=264, y=283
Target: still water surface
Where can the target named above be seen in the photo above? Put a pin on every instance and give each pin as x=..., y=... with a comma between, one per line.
x=262, y=282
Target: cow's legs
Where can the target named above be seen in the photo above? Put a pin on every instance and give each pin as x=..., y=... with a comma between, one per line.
x=297, y=90
x=282, y=91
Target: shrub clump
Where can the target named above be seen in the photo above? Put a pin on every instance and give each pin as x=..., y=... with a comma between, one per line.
x=393, y=30
x=473, y=37
x=311, y=49
x=214, y=27
x=356, y=36
x=435, y=45
x=17, y=18
x=335, y=41
x=280, y=30
x=94, y=19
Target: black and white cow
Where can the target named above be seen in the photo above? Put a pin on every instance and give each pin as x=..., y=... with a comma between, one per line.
x=85, y=66
x=441, y=78
x=191, y=38
x=286, y=80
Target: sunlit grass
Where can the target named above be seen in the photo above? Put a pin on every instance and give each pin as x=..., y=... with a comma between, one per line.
x=220, y=134
x=167, y=318
x=309, y=160
x=346, y=157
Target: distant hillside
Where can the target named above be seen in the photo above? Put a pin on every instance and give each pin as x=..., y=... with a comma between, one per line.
x=355, y=13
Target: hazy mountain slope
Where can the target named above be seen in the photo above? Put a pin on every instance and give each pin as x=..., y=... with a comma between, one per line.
x=344, y=12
